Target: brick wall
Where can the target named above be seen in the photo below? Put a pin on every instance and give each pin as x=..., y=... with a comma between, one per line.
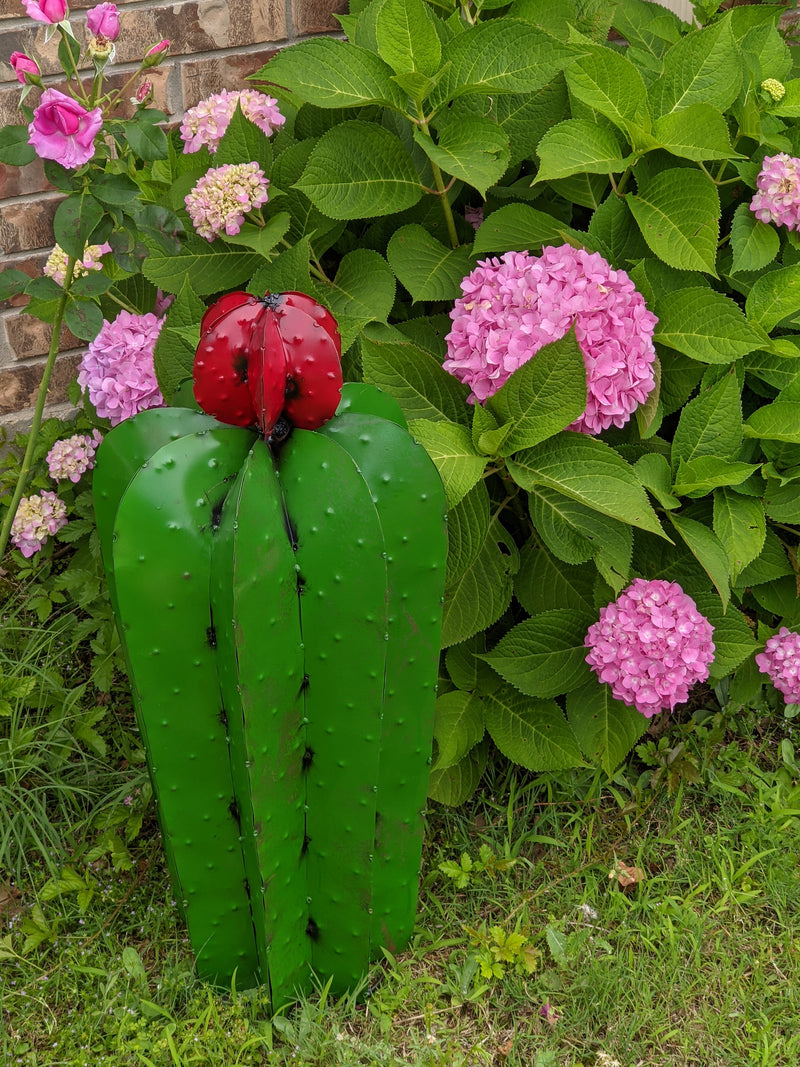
x=215, y=45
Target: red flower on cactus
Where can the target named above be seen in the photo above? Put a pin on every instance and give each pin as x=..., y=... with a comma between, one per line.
x=63, y=130
x=514, y=305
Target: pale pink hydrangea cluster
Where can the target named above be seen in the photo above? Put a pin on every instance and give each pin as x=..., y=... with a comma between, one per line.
x=514, y=305
x=781, y=661
x=72, y=457
x=651, y=645
x=778, y=191
x=223, y=196
x=117, y=368
x=56, y=265
x=206, y=123
x=38, y=517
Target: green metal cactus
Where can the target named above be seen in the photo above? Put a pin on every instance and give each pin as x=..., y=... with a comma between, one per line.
x=280, y=608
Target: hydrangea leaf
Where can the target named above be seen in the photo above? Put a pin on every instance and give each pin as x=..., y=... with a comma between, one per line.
x=458, y=727
x=782, y=502
x=363, y=289
x=545, y=655
x=360, y=170
x=207, y=268
x=711, y=424
x=589, y=471
x=330, y=73
x=605, y=728
x=703, y=67
x=467, y=671
x=789, y=106
x=520, y=228
x=678, y=212
x=428, y=269
x=733, y=639
x=699, y=476
x=450, y=447
x=75, y=219
x=577, y=146
x=473, y=149
x=613, y=224
x=406, y=37
x=708, y=550
x=740, y=524
x=705, y=325
x=416, y=380
x=467, y=527
x=778, y=421
x=262, y=239
x=608, y=82
x=774, y=297
x=479, y=596
x=545, y=582
x=770, y=565
x=455, y=785
x=173, y=357
x=653, y=471
x=242, y=142
x=533, y=733
x=755, y=244
x=697, y=132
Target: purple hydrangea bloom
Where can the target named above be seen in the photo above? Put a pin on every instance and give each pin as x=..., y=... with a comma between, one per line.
x=117, y=368
x=38, y=517
x=781, y=661
x=651, y=645
x=222, y=197
x=206, y=122
x=73, y=457
x=514, y=305
x=778, y=191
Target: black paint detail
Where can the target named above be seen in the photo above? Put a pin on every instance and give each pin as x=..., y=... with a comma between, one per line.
x=272, y=301
x=246, y=887
x=223, y=717
x=216, y=514
x=280, y=432
x=240, y=367
x=312, y=930
x=304, y=684
x=233, y=808
x=211, y=636
x=308, y=758
x=292, y=388
x=291, y=532
x=306, y=843
x=301, y=584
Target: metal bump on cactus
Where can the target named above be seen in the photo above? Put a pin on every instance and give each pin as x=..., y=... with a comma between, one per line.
x=281, y=613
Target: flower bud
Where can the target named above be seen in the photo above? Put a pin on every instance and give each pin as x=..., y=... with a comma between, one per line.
x=25, y=68
x=144, y=94
x=52, y=11
x=772, y=87
x=103, y=21
x=155, y=55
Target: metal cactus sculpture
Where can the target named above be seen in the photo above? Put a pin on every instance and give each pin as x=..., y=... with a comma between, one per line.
x=278, y=593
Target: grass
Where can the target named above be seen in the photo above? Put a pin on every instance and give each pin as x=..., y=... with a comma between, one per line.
x=648, y=922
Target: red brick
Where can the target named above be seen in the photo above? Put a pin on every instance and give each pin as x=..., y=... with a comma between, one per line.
x=202, y=77
x=29, y=337
x=27, y=225
x=316, y=16
x=19, y=385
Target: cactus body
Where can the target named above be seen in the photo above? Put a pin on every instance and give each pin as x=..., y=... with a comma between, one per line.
x=319, y=570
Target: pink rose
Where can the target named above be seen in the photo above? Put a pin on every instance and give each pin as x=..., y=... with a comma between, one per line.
x=23, y=65
x=154, y=55
x=103, y=21
x=63, y=130
x=51, y=11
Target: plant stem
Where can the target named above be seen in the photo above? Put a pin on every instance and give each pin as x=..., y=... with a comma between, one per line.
x=27, y=460
x=441, y=189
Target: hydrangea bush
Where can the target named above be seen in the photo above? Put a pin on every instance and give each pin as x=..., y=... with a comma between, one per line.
x=564, y=238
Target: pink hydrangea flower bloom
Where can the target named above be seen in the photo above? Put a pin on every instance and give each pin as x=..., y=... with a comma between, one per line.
x=51, y=11
x=514, y=305
x=56, y=265
x=473, y=215
x=117, y=368
x=24, y=67
x=206, y=123
x=38, y=517
x=222, y=197
x=103, y=21
x=651, y=645
x=781, y=661
x=63, y=130
x=778, y=191
x=73, y=457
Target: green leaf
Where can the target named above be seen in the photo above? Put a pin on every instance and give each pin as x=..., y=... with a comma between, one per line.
x=332, y=74
x=206, y=267
x=458, y=727
x=605, y=728
x=467, y=671
x=769, y=566
x=577, y=146
x=147, y=140
x=705, y=325
x=703, y=67
x=479, y=596
x=363, y=289
x=428, y=269
x=288, y=270
x=467, y=527
x=500, y=56
x=711, y=424
x=697, y=132
x=778, y=421
x=707, y=549
x=789, y=106
x=733, y=639
x=754, y=243
x=544, y=582
x=83, y=318
x=116, y=189
x=540, y=398
x=475, y=150
x=699, y=476
x=608, y=82
x=774, y=296
x=678, y=212
x=450, y=447
x=740, y=525
x=244, y=142
x=75, y=219
x=416, y=380
x=12, y=283
x=406, y=37
x=782, y=502
x=545, y=655
x=15, y=151
x=612, y=224
x=589, y=471
x=533, y=733
x=173, y=357
x=360, y=170
x=653, y=471
x=454, y=785
x=519, y=228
